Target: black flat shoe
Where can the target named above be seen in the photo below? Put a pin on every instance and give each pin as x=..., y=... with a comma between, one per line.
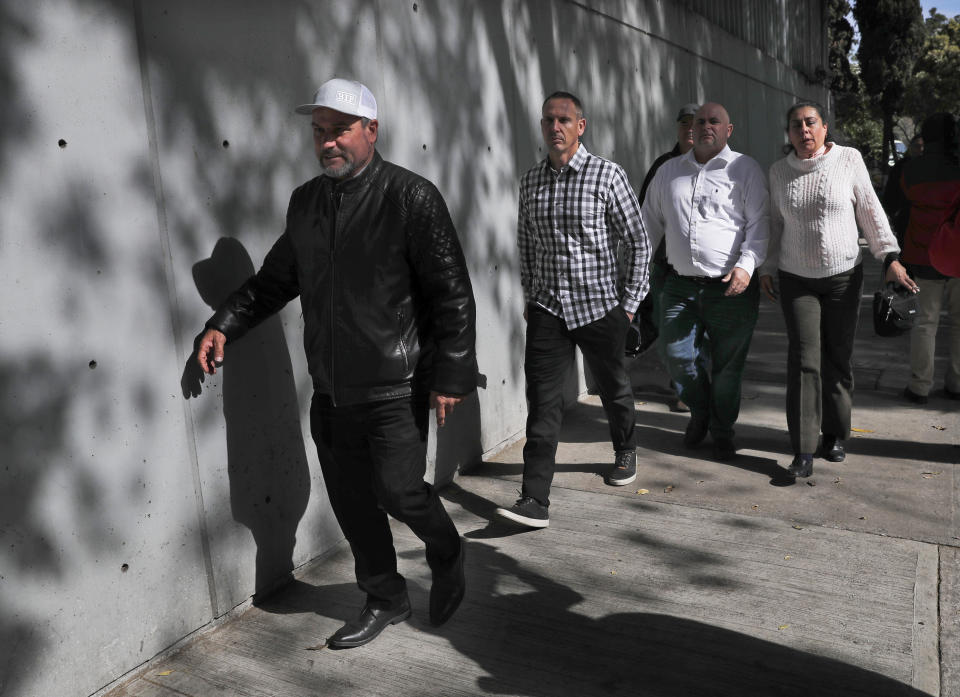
x=832, y=449
x=368, y=626
x=447, y=590
x=800, y=467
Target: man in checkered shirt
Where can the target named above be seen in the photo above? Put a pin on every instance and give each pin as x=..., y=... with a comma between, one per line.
x=575, y=210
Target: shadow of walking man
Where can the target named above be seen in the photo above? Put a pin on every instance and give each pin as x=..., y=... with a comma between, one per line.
x=266, y=456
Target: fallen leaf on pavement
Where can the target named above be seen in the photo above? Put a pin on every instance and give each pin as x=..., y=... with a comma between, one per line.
x=940, y=428
x=643, y=491
x=322, y=645
x=165, y=672
x=862, y=430
x=613, y=573
x=798, y=527
x=668, y=489
x=787, y=556
x=930, y=475
x=863, y=517
x=811, y=482
x=782, y=627
x=838, y=480
x=755, y=507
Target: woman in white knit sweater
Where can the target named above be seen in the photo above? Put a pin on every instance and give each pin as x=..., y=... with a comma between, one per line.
x=820, y=193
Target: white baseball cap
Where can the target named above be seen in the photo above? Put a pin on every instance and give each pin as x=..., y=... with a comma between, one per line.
x=345, y=96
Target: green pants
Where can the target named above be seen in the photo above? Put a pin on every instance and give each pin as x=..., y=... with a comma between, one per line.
x=821, y=316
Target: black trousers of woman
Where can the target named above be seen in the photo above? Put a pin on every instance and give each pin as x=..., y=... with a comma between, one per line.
x=821, y=316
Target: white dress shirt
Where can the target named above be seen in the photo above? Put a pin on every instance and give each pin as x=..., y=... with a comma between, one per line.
x=715, y=216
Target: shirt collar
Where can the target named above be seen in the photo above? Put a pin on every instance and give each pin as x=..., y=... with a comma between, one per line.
x=725, y=156
x=579, y=158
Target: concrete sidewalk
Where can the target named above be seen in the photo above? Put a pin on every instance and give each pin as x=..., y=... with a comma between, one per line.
x=621, y=595
x=701, y=578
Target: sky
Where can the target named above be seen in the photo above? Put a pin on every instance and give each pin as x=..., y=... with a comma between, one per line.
x=950, y=8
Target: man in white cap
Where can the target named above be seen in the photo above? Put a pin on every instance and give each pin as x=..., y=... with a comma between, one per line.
x=389, y=332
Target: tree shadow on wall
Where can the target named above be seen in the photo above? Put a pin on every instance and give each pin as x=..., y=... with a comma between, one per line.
x=266, y=456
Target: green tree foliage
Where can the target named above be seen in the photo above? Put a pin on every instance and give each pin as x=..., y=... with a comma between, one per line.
x=935, y=85
x=840, y=40
x=891, y=38
x=855, y=121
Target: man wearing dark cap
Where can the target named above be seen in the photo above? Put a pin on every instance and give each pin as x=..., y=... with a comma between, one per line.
x=650, y=307
x=389, y=332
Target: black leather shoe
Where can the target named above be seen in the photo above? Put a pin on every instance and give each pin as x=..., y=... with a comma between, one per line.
x=724, y=448
x=912, y=396
x=800, y=467
x=696, y=432
x=368, y=626
x=832, y=450
x=447, y=590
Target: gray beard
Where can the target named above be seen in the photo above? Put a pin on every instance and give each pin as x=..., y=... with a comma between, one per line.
x=339, y=172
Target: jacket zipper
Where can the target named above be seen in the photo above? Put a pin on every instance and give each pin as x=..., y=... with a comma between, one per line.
x=403, y=347
x=333, y=285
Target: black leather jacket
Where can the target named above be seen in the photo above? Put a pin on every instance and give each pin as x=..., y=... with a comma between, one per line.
x=388, y=308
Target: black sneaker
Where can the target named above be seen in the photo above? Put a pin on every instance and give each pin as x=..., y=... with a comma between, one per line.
x=624, y=468
x=526, y=511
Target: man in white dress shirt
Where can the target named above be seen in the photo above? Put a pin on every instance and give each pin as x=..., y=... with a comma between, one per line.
x=711, y=205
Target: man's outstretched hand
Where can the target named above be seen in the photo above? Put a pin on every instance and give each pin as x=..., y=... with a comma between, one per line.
x=210, y=351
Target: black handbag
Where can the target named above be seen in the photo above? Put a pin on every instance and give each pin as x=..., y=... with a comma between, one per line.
x=894, y=308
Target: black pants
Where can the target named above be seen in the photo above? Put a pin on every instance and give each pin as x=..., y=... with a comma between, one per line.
x=373, y=458
x=548, y=355
x=821, y=316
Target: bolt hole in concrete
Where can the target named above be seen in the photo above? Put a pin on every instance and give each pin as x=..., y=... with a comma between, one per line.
x=92, y=364
x=226, y=143
x=414, y=7
x=124, y=568
x=62, y=143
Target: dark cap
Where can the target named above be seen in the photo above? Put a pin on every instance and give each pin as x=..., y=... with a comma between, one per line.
x=688, y=110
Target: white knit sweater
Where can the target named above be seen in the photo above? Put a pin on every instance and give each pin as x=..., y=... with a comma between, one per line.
x=816, y=207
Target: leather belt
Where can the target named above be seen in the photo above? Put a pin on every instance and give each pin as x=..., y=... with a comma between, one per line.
x=702, y=280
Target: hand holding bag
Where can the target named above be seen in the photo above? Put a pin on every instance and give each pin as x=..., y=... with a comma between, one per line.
x=894, y=308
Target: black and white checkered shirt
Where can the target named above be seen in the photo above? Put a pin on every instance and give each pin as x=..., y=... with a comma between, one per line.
x=569, y=227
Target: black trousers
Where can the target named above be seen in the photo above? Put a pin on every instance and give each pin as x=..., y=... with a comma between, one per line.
x=548, y=355
x=821, y=317
x=373, y=458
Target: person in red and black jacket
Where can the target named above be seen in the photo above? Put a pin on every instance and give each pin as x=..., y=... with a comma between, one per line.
x=930, y=183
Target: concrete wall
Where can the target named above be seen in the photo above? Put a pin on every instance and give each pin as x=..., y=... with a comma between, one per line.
x=147, y=153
